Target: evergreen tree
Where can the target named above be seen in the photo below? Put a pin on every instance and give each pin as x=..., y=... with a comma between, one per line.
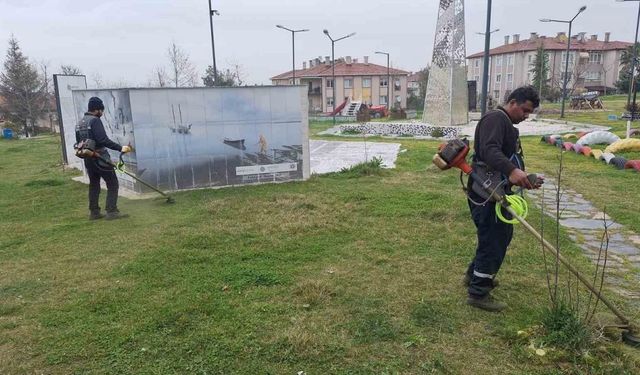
x=624, y=78
x=22, y=89
x=540, y=71
x=225, y=78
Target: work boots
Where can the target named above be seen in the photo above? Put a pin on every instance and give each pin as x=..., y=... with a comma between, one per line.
x=95, y=215
x=487, y=303
x=115, y=215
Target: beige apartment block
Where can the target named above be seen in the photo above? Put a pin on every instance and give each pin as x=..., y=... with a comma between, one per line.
x=594, y=64
x=354, y=82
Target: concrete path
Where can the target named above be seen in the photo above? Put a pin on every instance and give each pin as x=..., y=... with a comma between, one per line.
x=585, y=225
x=332, y=156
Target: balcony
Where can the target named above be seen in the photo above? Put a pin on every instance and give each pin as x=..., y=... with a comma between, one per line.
x=315, y=91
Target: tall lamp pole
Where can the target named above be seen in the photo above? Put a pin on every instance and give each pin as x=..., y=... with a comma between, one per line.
x=485, y=64
x=293, y=46
x=213, y=12
x=333, y=66
x=388, y=78
x=566, y=62
x=485, y=61
x=632, y=76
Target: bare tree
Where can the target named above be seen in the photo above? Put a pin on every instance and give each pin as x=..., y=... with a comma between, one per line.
x=96, y=79
x=238, y=72
x=70, y=70
x=182, y=71
x=47, y=94
x=159, y=77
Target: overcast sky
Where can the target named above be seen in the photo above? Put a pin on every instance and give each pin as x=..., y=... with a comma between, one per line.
x=124, y=40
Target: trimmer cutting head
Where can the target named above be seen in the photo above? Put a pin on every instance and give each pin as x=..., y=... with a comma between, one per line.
x=631, y=338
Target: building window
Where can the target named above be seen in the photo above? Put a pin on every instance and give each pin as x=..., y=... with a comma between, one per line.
x=329, y=83
x=348, y=83
x=396, y=84
x=528, y=77
x=366, y=83
x=498, y=60
x=593, y=76
x=510, y=60
x=477, y=78
x=595, y=57
x=329, y=102
x=564, y=59
x=509, y=77
x=529, y=59
x=383, y=99
x=567, y=75
x=477, y=63
x=398, y=99
x=383, y=82
x=496, y=94
x=498, y=78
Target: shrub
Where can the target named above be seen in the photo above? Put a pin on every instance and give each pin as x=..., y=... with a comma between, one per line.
x=437, y=133
x=564, y=329
x=368, y=168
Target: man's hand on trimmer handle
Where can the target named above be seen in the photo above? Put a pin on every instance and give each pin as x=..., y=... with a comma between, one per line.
x=519, y=177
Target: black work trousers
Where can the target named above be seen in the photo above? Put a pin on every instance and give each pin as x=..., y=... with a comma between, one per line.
x=493, y=238
x=95, y=173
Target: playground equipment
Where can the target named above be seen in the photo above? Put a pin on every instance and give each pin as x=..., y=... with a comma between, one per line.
x=588, y=100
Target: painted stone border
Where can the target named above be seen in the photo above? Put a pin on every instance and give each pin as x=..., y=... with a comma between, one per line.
x=399, y=129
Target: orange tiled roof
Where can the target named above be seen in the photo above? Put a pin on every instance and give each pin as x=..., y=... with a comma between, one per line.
x=342, y=69
x=555, y=44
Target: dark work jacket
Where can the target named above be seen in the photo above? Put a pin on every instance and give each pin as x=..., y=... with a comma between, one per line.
x=98, y=134
x=496, y=140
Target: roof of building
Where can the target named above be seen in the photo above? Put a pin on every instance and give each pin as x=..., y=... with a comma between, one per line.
x=555, y=43
x=342, y=69
x=414, y=77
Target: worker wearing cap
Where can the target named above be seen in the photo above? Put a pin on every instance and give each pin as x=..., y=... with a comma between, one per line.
x=90, y=127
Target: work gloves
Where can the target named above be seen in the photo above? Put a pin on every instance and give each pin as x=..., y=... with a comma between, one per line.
x=126, y=149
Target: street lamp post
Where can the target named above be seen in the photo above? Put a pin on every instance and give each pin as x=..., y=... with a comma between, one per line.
x=213, y=12
x=566, y=62
x=333, y=66
x=293, y=46
x=485, y=63
x=388, y=77
x=632, y=76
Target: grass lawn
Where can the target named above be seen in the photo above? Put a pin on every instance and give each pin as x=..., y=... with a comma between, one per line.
x=339, y=274
x=600, y=183
x=613, y=105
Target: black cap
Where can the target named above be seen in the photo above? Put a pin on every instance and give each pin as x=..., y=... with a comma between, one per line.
x=95, y=104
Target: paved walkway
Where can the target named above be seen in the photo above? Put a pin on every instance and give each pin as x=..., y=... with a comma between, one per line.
x=585, y=225
x=332, y=156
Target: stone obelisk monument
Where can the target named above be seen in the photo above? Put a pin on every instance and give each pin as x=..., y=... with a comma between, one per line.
x=446, y=99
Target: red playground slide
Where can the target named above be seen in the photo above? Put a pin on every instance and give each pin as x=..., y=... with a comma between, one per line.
x=339, y=108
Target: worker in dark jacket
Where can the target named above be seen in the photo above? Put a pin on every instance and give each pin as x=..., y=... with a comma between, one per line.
x=90, y=127
x=497, y=145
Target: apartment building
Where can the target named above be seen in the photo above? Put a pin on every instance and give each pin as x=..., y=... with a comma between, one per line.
x=354, y=81
x=594, y=64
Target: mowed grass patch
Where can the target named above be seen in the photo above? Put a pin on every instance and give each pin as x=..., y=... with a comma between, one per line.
x=337, y=274
x=602, y=184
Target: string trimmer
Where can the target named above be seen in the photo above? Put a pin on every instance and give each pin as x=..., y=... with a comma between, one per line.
x=121, y=168
x=453, y=155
